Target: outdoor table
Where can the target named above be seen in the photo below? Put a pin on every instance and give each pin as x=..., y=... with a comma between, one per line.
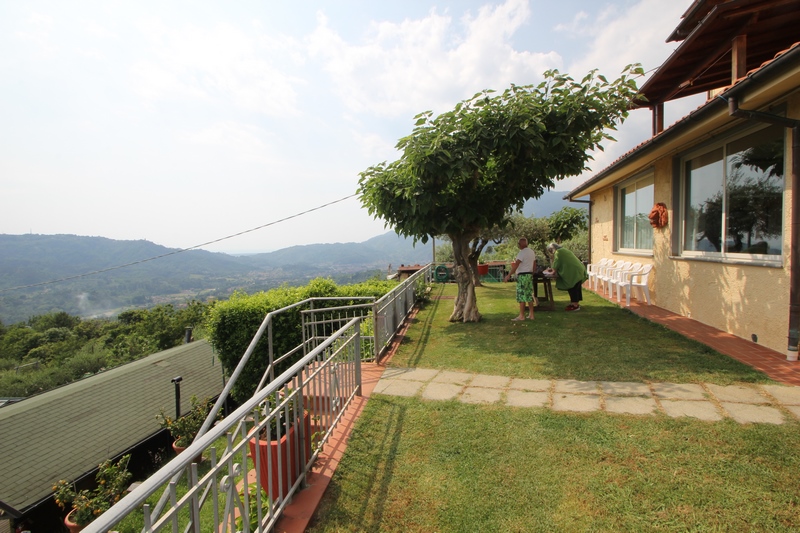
x=538, y=278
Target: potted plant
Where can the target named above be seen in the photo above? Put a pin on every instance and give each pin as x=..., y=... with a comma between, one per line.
x=85, y=505
x=278, y=442
x=483, y=268
x=184, y=428
x=252, y=512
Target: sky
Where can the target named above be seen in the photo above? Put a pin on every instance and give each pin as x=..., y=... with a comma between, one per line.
x=184, y=123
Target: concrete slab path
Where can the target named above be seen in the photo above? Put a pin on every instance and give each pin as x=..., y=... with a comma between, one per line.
x=764, y=404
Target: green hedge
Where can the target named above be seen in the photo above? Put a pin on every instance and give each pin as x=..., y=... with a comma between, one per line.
x=233, y=323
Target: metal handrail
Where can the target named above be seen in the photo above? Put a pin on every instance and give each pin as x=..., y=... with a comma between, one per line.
x=165, y=476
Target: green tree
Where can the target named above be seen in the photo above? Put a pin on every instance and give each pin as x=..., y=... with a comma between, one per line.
x=444, y=250
x=18, y=340
x=567, y=222
x=465, y=170
x=496, y=234
x=536, y=230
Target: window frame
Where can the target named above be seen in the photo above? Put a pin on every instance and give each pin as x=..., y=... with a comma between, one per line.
x=725, y=256
x=619, y=215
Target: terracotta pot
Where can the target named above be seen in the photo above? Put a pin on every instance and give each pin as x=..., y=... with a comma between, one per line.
x=483, y=270
x=276, y=479
x=179, y=449
x=72, y=526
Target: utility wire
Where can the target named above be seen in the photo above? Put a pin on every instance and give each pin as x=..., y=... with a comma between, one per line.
x=175, y=252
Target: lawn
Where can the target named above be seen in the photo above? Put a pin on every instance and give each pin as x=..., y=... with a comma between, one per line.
x=600, y=342
x=414, y=465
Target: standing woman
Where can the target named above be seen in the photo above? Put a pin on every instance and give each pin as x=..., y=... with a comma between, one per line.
x=571, y=274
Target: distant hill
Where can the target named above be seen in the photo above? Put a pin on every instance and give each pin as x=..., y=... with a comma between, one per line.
x=549, y=203
x=31, y=260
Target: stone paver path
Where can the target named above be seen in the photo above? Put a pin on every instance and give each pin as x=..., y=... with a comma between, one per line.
x=766, y=404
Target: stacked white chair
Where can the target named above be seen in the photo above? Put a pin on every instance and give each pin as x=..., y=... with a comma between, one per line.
x=606, y=272
x=620, y=275
x=611, y=276
x=636, y=280
x=593, y=269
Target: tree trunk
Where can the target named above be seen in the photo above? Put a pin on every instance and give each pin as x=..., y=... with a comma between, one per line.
x=475, y=249
x=466, y=306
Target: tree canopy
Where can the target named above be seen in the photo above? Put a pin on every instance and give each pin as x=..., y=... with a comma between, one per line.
x=467, y=169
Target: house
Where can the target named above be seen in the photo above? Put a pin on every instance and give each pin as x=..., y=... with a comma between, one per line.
x=727, y=174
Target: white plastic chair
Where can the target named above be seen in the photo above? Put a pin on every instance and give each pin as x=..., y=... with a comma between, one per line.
x=611, y=277
x=593, y=269
x=620, y=275
x=636, y=280
x=606, y=272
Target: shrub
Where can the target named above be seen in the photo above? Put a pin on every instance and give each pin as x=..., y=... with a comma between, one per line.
x=184, y=428
x=232, y=324
x=112, y=480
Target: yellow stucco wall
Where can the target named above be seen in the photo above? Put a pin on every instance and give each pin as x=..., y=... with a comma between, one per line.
x=744, y=300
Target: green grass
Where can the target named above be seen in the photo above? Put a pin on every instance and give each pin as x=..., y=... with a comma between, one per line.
x=599, y=342
x=414, y=465
x=446, y=466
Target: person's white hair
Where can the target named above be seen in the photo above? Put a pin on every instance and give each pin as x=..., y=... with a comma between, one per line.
x=552, y=247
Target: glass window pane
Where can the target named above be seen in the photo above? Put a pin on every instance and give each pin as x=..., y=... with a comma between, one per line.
x=703, y=229
x=754, y=190
x=628, y=217
x=644, y=203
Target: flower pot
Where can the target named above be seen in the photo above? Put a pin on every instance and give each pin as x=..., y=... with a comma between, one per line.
x=179, y=449
x=276, y=480
x=72, y=526
x=483, y=270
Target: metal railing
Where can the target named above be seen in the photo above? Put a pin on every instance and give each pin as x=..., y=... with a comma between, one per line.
x=272, y=440
x=256, y=458
x=392, y=309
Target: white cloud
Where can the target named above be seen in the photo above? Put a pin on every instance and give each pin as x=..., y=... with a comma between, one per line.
x=38, y=30
x=243, y=139
x=222, y=63
x=581, y=24
x=430, y=63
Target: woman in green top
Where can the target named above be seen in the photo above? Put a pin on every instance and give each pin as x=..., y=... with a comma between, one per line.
x=571, y=274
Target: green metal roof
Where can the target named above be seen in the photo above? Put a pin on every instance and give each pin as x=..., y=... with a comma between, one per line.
x=67, y=432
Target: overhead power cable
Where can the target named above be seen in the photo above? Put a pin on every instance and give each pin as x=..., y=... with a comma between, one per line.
x=175, y=252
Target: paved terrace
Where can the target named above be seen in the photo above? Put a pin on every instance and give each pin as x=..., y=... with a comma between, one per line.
x=770, y=404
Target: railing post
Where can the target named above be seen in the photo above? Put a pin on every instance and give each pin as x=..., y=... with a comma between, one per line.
x=377, y=341
x=358, y=358
x=271, y=352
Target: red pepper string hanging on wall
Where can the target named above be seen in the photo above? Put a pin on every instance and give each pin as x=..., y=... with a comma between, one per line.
x=658, y=215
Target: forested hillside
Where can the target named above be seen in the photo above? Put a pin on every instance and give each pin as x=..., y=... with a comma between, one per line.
x=175, y=278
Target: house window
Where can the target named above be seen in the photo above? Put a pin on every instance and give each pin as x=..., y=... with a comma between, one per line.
x=635, y=202
x=733, y=198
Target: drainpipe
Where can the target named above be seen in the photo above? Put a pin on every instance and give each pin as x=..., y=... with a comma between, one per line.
x=794, y=252
x=589, y=225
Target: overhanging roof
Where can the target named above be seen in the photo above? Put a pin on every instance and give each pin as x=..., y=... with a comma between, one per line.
x=703, y=61
x=771, y=81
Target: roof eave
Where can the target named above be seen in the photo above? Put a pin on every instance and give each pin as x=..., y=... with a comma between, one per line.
x=787, y=61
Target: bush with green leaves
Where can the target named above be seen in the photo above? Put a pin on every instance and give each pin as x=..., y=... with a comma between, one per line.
x=233, y=323
x=578, y=244
x=185, y=427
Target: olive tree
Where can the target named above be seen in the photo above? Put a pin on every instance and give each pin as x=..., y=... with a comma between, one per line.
x=467, y=169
